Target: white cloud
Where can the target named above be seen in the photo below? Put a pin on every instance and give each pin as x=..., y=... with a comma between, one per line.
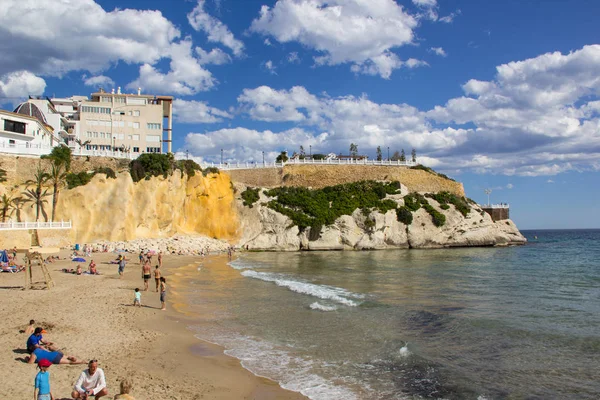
x=425, y=3
x=293, y=58
x=98, y=81
x=270, y=67
x=19, y=85
x=52, y=38
x=358, y=32
x=510, y=186
x=448, y=19
x=438, y=51
x=429, y=8
x=216, y=57
x=197, y=112
x=549, y=181
x=215, y=29
x=185, y=77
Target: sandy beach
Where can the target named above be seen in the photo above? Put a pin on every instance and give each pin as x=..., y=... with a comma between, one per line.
x=92, y=317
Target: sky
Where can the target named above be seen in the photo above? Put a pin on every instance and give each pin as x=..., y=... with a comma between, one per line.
x=502, y=95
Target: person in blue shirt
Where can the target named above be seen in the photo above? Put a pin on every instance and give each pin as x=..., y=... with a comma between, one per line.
x=42, y=382
x=36, y=341
x=55, y=357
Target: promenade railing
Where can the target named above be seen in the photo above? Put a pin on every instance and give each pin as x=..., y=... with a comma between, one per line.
x=251, y=165
x=32, y=149
x=501, y=205
x=15, y=226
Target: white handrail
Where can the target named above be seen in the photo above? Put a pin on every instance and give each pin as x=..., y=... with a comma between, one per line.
x=350, y=161
x=13, y=226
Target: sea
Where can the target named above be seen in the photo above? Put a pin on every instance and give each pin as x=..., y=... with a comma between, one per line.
x=466, y=323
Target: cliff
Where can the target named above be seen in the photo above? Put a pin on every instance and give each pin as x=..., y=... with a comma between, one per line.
x=265, y=229
x=119, y=210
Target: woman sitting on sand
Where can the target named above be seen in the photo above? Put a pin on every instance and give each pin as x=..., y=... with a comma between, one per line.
x=93, y=270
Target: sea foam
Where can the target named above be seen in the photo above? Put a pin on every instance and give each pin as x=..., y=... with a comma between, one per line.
x=323, y=292
x=317, y=306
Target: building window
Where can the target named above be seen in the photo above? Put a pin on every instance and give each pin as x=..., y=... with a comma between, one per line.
x=14, y=126
x=105, y=99
x=119, y=99
x=136, y=125
x=95, y=110
x=152, y=149
x=153, y=126
x=136, y=149
x=136, y=137
x=153, y=138
x=136, y=113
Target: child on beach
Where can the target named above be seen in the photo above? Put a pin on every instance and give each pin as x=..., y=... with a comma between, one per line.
x=30, y=328
x=42, y=382
x=163, y=292
x=137, y=301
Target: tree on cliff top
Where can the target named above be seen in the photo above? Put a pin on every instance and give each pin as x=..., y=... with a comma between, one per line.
x=60, y=155
x=148, y=165
x=283, y=157
x=36, y=195
x=57, y=178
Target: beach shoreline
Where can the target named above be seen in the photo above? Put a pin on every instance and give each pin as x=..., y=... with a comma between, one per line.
x=93, y=317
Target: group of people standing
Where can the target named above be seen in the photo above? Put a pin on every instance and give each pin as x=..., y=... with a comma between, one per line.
x=161, y=281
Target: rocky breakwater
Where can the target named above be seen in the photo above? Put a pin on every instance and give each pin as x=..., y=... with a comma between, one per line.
x=179, y=244
x=345, y=217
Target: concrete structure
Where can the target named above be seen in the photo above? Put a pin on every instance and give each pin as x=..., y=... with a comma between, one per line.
x=498, y=212
x=25, y=132
x=112, y=124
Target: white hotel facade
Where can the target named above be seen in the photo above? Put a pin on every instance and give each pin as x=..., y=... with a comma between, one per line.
x=106, y=124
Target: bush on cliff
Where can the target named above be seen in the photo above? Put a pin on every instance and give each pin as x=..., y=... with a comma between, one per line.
x=148, y=165
x=109, y=172
x=80, y=179
x=188, y=166
x=250, y=196
x=445, y=198
x=312, y=208
x=210, y=170
x=404, y=215
x=427, y=169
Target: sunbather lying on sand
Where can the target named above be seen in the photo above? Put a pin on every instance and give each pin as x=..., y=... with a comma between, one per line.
x=55, y=357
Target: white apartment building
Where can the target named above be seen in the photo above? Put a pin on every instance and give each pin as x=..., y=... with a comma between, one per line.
x=21, y=133
x=111, y=124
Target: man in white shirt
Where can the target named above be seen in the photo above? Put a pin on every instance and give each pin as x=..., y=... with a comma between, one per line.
x=91, y=382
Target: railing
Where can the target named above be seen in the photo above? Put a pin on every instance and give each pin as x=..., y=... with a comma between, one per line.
x=13, y=226
x=39, y=150
x=252, y=165
x=501, y=205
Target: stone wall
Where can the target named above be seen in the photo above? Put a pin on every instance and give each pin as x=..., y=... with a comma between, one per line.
x=318, y=176
x=22, y=168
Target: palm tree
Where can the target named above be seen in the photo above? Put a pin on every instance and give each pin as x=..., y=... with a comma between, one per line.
x=36, y=195
x=82, y=144
x=18, y=203
x=57, y=178
x=6, y=207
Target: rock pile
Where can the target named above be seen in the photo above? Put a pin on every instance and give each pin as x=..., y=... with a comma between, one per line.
x=180, y=244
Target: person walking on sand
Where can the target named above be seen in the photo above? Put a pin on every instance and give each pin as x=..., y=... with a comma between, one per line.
x=160, y=258
x=157, y=277
x=141, y=256
x=146, y=274
x=41, y=389
x=163, y=292
x=91, y=382
x=121, y=266
x=137, y=300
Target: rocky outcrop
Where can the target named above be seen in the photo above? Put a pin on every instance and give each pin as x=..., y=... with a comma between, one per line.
x=265, y=229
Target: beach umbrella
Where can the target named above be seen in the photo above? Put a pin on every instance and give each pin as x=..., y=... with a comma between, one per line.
x=78, y=259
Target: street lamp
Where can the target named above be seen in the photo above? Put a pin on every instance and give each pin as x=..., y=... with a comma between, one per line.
x=263, y=157
x=221, y=156
x=187, y=154
x=388, y=153
x=310, y=151
x=488, y=191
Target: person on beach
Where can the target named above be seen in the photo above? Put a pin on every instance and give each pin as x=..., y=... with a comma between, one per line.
x=125, y=387
x=93, y=269
x=41, y=389
x=163, y=292
x=55, y=357
x=30, y=328
x=36, y=341
x=157, y=277
x=137, y=300
x=14, y=252
x=160, y=258
x=91, y=382
x=121, y=266
x=146, y=274
x=79, y=270
x=141, y=256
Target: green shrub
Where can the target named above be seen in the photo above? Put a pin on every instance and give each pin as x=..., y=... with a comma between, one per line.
x=460, y=203
x=427, y=169
x=444, y=206
x=308, y=208
x=60, y=155
x=404, y=215
x=413, y=201
x=80, y=179
x=210, y=170
x=250, y=196
x=189, y=167
x=319, y=156
x=148, y=165
x=437, y=217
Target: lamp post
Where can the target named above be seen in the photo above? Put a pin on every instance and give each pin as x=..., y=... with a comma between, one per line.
x=388, y=153
x=310, y=151
x=221, y=156
x=187, y=154
x=263, y=153
x=488, y=191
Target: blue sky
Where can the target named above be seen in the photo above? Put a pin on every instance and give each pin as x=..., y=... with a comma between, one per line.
x=502, y=95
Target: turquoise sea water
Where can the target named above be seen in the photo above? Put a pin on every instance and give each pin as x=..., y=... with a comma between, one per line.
x=474, y=323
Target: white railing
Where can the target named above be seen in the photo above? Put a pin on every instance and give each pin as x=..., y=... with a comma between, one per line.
x=14, y=226
x=40, y=149
x=501, y=205
x=350, y=161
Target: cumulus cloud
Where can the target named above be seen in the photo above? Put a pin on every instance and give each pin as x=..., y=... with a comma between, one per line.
x=539, y=116
x=361, y=33
x=98, y=81
x=18, y=85
x=215, y=56
x=197, y=112
x=63, y=36
x=185, y=77
x=270, y=67
x=217, y=32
